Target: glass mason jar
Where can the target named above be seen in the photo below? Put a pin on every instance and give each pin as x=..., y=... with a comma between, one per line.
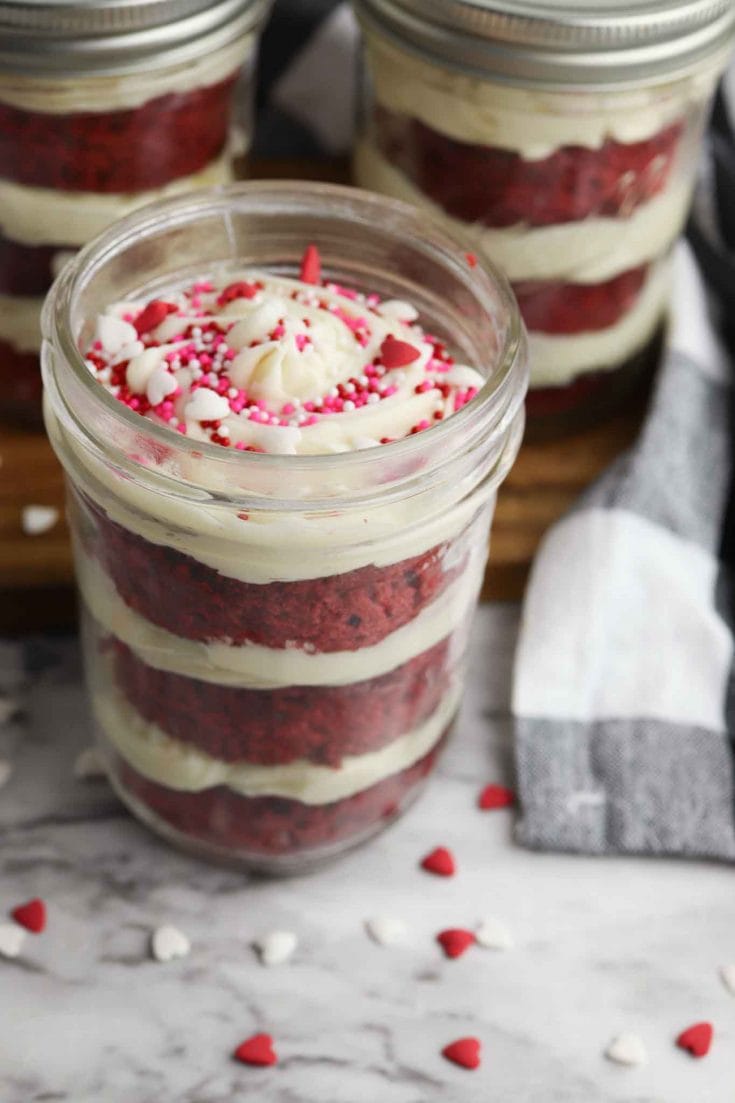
x=103, y=108
x=275, y=644
x=564, y=141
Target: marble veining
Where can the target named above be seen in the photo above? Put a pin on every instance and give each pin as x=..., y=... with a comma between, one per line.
x=86, y=1016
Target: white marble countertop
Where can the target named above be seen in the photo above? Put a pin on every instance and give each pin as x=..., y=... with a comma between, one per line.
x=603, y=945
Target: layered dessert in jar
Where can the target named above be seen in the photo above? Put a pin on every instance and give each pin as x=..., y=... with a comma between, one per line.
x=95, y=122
x=571, y=168
x=278, y=565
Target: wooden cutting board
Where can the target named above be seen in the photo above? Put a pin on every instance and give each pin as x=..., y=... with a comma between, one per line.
x=36, y=572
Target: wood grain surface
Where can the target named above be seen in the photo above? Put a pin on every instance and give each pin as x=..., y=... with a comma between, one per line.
x=36, y=571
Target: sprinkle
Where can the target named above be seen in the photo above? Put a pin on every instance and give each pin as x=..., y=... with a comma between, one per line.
x=386, y=930
x=696, y=1039
x=31, y=915
x=152, y=316
x=88, y=765
x=465, y=1052
x=311, y=266
x=455, y=941
x=257, y=1050
x=627, y=1049
x=240, y=290
x=12, y=938
x=440, y=862
x=168, y=943
x=496, y=796
x=471, y=259
x=35, y=520
x=205, y=405
x=494, y=935
x=276, y=947
x=397, y=354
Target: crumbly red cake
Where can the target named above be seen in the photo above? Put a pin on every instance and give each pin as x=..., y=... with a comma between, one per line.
x=26, y=269
x=272, y=727
x=556, y=307
x=128, y=150
x=341, y=612
x=274, y=825
x=499, y=188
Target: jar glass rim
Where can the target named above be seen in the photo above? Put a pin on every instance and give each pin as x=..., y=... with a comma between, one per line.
x=484, y=421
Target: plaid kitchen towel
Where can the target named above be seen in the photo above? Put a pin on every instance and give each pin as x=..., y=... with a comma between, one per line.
x=624, y=695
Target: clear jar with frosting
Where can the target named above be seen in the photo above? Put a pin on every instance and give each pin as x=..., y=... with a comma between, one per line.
x=284, y=412
x=563, y=141
x=104, y=108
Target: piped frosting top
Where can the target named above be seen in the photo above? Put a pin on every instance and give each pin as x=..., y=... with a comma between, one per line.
x=263, y=363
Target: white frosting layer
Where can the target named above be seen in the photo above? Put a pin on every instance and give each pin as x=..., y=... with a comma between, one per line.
x=589, y=251
x=179, y=766
x=19, y=322
x=533, y=123
x=45, y=216
x=260, y=667
x=65, y=95
x=557, y=359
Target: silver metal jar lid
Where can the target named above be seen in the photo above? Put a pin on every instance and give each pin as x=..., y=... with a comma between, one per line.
x=555, y=43
x=113, y=36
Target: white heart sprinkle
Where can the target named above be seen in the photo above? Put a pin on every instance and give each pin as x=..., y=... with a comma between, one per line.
x=38, y=519
x=386, y=931
x=114, y=333
x=168, y=943
x=727, y=973
x=88, y=765
x=12, y=937
x=6, y=769
x=627, y=1049
x=160, y=385
x=205, y=405
x=277, y=947
x=494, y=935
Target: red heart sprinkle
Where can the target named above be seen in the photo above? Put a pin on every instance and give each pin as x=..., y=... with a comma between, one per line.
x=455, y=941
x=153, y=315
x=464, y=1052
x=496, y=796
x=397, y=354
x=441, y=862
x=240, y=290
x=311, y=265
x=471, y=259
x=32, y=915
x=257, y=1050
x=696, y=1039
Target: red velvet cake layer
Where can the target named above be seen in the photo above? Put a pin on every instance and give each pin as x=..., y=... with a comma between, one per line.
x=273, y=727
x=499, y=188
x=20, y=383
x=275, y=825
x=26, y=269
x=117, y=151
x=570, y=308
x=342, y=612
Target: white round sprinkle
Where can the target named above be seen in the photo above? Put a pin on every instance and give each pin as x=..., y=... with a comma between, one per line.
x=627, y=1049
x=277, y=947
x=373, y=399
x=36, y=520
x=168, y=943
x=348, y=406
x=386, y=930
x=12, y=937
x=494, y=935
x=727, y=974
x=88, y=765
x=6, y=770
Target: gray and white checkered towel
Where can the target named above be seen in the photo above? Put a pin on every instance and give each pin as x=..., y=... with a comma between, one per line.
x=624, y=693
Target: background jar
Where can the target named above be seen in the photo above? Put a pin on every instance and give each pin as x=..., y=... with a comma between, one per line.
x=275, y=644
x=565, y=143
x=104, y=108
